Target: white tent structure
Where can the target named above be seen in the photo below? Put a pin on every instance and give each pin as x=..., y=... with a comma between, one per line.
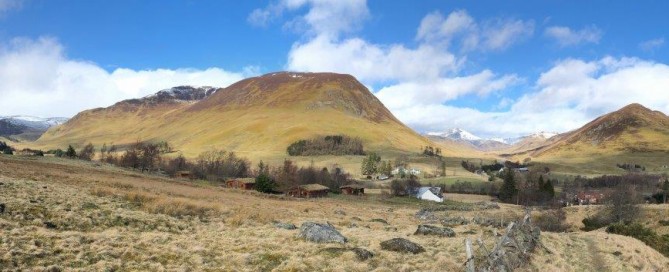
x=428, y=193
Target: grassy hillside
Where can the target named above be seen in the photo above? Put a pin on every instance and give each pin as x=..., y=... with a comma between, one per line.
x=104, y=218
x=256, y=117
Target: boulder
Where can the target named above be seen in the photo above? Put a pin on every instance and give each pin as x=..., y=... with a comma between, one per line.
x=287, y=226
x=320, y=233
x=433, y=230
x=402, y=245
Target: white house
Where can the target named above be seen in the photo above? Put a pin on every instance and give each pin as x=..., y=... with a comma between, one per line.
x=430, y=193
x=412, y=171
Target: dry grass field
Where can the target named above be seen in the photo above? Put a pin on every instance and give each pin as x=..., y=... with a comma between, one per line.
x=82, y=216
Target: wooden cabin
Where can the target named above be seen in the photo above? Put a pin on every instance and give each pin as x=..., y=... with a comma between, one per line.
x=244, y=184
x=183, y=174
x=309, y=191
x=352, y=189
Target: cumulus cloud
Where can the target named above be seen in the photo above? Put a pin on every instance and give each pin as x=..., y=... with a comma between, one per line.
x=652, y=45
x=493, y=34
x=325, y=17
x=565, y=36
x=37, y=78
x=371, y=62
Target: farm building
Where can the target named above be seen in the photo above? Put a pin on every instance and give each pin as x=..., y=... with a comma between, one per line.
x=183, y=175
x=244, y=183
x=430, y=193
x=352, y=189
x=588, y=198
x=309, y=191
x=412, y=171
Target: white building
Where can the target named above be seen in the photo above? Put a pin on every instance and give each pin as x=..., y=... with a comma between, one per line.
x=412, y=171
x=430, y=193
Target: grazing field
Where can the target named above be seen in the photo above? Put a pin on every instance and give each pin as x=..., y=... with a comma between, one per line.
x=83, y=216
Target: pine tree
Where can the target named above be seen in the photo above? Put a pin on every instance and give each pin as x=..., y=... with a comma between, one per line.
x=265, y=183
x=508, y=190
x=71, y=153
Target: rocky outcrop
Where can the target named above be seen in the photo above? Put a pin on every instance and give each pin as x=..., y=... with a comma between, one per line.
x=320, y=233
x=402, y=245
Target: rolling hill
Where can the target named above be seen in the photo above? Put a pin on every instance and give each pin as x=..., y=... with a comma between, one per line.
x=632, y=129
x=256, y=117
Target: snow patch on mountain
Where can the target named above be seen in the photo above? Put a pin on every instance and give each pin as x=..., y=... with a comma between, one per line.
x=34, y=122
x=456, y=134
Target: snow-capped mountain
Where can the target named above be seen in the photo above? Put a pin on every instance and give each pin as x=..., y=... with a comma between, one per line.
x=21, y=127
x=186, y=93
x=456, y=134
x=488, y=144
x=537, y=135
x=34, y=122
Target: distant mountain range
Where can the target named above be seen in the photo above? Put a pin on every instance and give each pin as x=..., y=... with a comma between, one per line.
x=26, y=128
x=464, y=137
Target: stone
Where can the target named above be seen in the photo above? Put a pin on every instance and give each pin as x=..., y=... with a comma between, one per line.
x=286, y=226
x=320, y=233
x=433, y=230
x=2, y=207
x=402, y=245
x=454, y=221
x=425, y=215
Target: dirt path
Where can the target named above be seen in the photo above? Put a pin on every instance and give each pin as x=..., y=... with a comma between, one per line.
x=598, y=263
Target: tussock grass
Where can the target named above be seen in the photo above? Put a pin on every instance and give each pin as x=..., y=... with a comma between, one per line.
x=157, y=224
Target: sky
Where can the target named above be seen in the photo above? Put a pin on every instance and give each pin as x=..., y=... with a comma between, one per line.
x=494, y=68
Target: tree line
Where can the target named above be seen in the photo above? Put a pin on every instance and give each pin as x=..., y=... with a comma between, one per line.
x=329, y=145
x=288, y=175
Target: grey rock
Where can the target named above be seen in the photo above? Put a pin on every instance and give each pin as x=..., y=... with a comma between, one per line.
x=320, y=233
x=402, y=245
x=454, y=221
x=433, y=230
x=425, y=215
x=287, y=226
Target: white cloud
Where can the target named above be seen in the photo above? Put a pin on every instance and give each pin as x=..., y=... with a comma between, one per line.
x=417, y=94
x=371, y=62
x=494, y=34
x=325, y=17
x=652, y=45
x=37, y=78
x=565, y=36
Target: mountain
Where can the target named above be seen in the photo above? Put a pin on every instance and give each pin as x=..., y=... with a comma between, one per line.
x=632, y=129
x=26, y=128
x=256, y=117
x=467, y=139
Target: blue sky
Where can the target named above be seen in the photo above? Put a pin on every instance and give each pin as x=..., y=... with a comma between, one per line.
x=496, y=68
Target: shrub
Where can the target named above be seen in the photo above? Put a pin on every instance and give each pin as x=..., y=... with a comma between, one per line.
x=265, y=183
x=552, y=220
x=87, y=152
x=71, y=153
